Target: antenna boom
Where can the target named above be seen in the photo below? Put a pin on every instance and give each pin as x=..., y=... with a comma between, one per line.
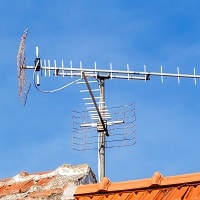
x=110, y=73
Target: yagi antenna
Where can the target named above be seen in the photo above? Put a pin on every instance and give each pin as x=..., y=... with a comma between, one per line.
x=98, y=117
x=46, y=68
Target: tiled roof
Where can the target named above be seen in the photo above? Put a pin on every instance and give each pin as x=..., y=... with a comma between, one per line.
x=58, y=184
x=182, y=187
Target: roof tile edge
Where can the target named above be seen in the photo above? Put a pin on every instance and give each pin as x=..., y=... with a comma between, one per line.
x=157, y=180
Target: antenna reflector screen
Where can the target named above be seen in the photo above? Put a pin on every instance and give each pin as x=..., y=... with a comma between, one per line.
x=121, y=128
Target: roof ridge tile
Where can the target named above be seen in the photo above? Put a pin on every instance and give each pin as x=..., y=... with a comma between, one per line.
x=104, y=184
x=156, y=179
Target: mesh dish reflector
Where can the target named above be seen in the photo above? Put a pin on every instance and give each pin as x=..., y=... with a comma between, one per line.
x=23, y=85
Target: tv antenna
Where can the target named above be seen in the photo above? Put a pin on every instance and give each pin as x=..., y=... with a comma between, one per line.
x=115, y=126
x=100, y=117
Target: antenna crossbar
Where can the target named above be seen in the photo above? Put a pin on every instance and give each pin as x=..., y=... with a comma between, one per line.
x=110, y=123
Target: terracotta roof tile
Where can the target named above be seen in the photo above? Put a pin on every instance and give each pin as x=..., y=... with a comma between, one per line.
x=46, y=193
x=44, y=181
x=182, y=187
x=57, y=184
x=16, y=188
x=25, y=186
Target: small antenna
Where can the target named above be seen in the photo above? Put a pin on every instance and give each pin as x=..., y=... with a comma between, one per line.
x=37, y=66
x=37, y=52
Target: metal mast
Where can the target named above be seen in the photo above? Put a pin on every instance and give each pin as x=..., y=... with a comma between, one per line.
x=101, y=149
x=101, y=124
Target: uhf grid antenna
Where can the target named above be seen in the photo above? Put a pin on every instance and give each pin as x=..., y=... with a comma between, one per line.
x=77, y=74
x=118, y=123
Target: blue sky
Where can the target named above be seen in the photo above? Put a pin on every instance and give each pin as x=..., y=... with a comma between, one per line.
x=37, y=137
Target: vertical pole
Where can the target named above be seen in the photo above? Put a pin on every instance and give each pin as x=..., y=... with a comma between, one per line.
x=102, y=133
